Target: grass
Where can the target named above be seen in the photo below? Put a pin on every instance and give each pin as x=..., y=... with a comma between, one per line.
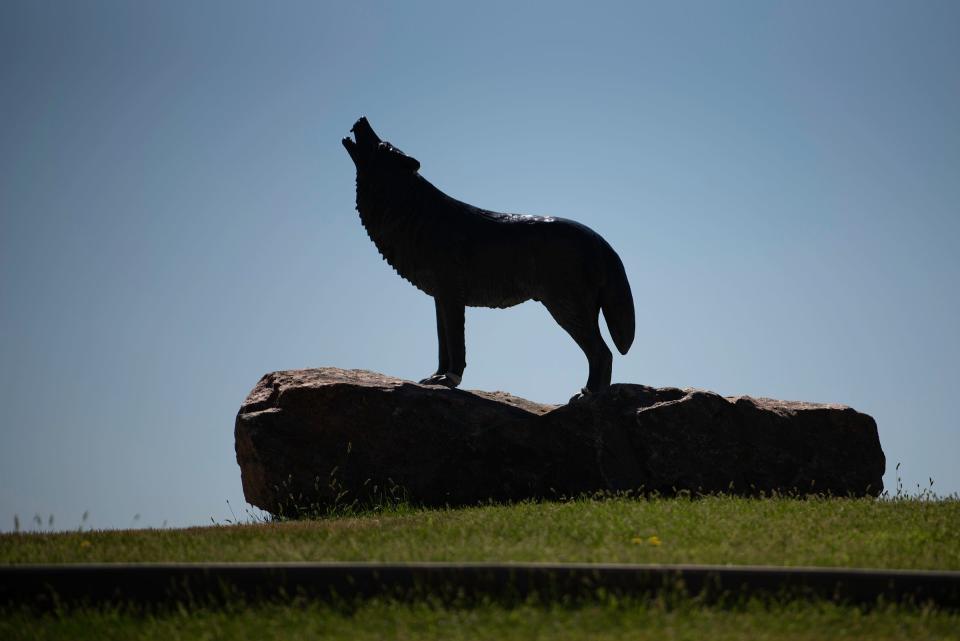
x=605, y=619
x=902, y=533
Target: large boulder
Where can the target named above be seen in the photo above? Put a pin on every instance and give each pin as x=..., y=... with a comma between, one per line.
x=312, y=440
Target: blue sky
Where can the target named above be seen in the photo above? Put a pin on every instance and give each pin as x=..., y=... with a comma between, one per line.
x=177, y=216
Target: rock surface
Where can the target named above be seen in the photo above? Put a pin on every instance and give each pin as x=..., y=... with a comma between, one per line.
x=313, y=439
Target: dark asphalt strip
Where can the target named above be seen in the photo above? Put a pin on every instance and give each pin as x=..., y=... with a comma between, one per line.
x=201, y=582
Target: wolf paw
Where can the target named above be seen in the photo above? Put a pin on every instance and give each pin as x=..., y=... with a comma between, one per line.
x=447, y=380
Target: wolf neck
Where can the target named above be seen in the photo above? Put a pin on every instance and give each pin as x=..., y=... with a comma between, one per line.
x=394, y=223
x=383, y=213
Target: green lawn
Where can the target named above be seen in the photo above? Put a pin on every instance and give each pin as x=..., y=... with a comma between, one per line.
x=424, y=620
x=901, y=533
x=920, y=534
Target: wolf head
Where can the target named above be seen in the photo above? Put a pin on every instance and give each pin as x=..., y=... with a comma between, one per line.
x=377, y=157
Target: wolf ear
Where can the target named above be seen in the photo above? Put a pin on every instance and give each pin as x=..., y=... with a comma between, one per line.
x=396, y=156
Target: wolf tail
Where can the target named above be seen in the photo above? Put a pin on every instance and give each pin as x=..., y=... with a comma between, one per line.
x=616, y=301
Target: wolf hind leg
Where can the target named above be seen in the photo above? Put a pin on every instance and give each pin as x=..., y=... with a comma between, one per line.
x=581, y=322
x=451, y=344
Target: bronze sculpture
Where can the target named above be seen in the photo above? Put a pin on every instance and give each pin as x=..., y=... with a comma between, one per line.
x=462, y=255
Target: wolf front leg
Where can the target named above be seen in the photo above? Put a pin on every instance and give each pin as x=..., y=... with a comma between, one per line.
x=452, y=349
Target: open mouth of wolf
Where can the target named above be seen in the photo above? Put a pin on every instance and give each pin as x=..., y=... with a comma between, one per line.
x=364, y=136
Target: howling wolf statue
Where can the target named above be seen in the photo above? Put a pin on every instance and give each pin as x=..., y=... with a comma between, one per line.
x=466, y=256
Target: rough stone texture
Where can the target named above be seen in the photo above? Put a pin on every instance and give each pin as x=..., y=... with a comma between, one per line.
x=308, y=439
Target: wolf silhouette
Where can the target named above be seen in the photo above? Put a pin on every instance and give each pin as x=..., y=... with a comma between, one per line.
x=462, y=256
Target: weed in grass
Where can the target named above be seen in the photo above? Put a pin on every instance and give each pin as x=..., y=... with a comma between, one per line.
x=921, y=494
x=331, y=498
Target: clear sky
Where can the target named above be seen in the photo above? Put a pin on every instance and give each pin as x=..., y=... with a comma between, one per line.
x=781, y=179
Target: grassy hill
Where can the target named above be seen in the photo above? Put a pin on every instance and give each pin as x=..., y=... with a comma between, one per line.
x=900, y=533
x=917, y=534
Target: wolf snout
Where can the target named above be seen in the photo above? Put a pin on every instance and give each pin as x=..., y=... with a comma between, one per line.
x=361, y=122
